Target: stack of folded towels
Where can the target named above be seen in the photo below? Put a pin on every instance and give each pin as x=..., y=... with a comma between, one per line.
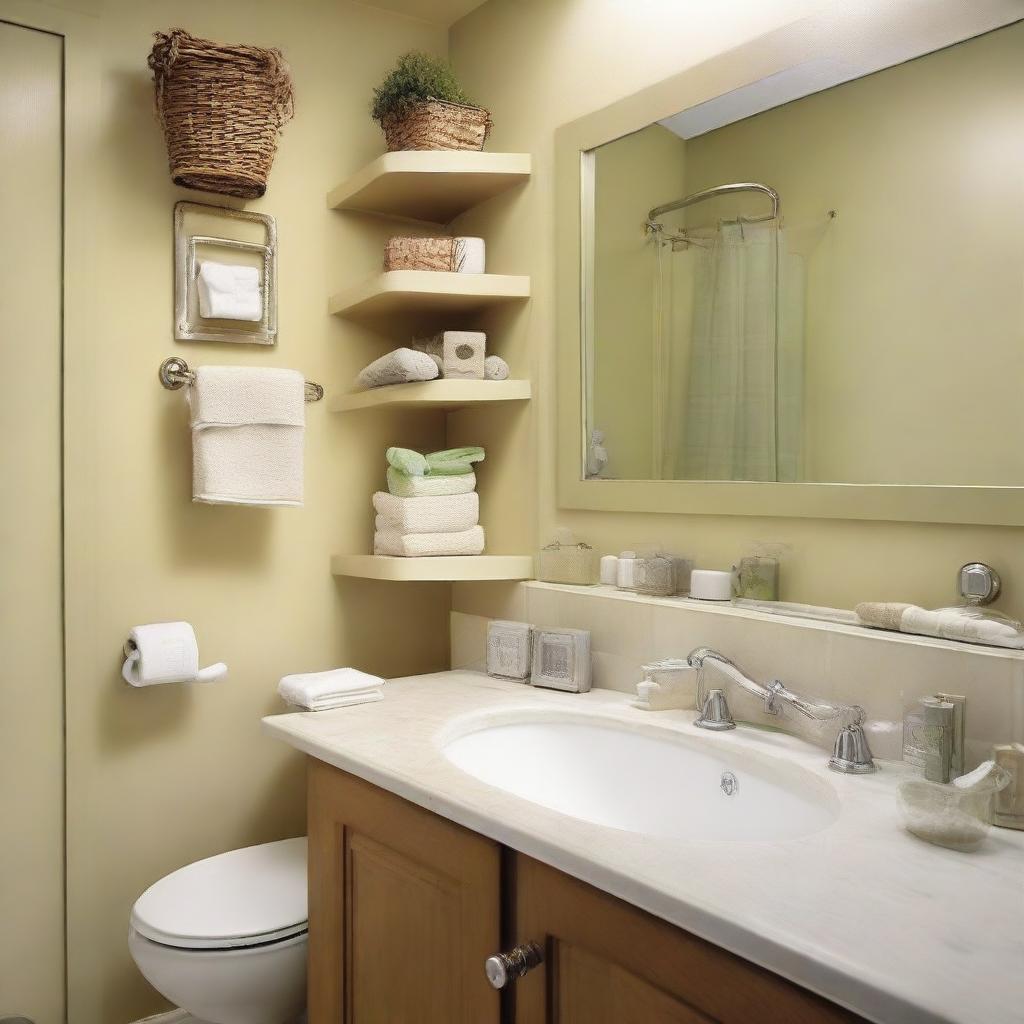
x=431, y=506
x=337, y=688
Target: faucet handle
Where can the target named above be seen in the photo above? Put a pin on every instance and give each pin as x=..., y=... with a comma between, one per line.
x=852, y=755
x=770, y=693
x=715, y=713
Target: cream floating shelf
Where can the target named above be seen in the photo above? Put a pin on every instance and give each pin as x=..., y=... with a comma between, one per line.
x=444, y=568
x=428, y=291
x=433, y=394
x=431, y=186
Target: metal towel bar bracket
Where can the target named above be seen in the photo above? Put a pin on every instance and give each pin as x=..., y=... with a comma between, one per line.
x=175, y=374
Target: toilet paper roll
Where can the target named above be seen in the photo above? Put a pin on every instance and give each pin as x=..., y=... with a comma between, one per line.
x=471, y=255
x=166, y=652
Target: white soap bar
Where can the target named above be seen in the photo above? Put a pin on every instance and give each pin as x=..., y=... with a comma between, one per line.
x=711, y=585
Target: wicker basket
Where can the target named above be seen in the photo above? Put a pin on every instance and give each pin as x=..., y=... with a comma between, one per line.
x=222, y=108
x=424, y=254
x=436, y=124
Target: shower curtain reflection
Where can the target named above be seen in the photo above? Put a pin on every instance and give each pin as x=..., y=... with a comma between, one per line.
x=729, y=339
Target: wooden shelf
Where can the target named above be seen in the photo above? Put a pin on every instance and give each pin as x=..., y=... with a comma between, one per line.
x=444, y=568
x=429, y=291
x=433, y=394
x=430, y=186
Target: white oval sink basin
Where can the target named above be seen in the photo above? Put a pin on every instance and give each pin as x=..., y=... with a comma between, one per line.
x=672, y=786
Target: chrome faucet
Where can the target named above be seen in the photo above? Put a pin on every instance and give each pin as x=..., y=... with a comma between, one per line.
x=851, y=755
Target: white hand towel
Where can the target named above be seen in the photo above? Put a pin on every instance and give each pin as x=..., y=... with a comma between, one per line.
x=404, y=486
x=448, y=514
x=953, y=624
x=166, y=652
x=422, y=545
x=248, y=427
x=228, y=292
x=470, y=255
x=398, y=367
x=338, y=687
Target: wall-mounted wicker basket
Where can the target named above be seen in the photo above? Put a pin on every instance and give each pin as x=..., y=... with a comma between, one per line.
x=437, y=124
x=222, y=108
x=402, y=253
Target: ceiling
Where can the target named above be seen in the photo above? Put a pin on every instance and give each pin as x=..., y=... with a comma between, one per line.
x=440, y=12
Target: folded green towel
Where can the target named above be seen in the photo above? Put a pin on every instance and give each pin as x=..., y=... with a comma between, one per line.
x=451, y=462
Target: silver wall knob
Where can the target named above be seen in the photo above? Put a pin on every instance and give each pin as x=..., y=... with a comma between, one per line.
x=505, y=967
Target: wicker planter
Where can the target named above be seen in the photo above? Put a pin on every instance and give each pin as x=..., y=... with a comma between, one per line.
x=423, y=254
x=435, y=124
x=222, y=108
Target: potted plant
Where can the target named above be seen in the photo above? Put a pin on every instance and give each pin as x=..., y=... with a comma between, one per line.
x=420, y=105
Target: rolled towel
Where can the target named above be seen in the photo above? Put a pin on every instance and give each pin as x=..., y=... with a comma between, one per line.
x=449, y=514
x=454, y=461
x=248, y=426
x=398, y=367
x=228, y=292
x=336, y=688
x=421, y=545
x=407, y=461
x=495, y=368
x=404, y=486
x=961, y=624
x=881, y=614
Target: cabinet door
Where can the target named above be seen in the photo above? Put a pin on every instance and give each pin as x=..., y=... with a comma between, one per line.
x=606, y=962
x=403, y=909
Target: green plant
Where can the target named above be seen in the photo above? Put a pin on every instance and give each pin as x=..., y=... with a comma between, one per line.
x=416, y=77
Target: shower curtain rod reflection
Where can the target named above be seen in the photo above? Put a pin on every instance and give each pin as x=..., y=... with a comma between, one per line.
x=711, y=193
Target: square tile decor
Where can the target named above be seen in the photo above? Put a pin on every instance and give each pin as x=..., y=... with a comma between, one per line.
x=886, y=673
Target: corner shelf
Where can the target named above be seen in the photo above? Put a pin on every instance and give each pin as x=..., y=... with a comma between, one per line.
x=443, y=568
x=432, y=186
x=433, y=394
x=427, y=291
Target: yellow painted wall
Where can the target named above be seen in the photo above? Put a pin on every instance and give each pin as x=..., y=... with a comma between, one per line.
x=571, y=58
x=647, y=169
x=161, y=777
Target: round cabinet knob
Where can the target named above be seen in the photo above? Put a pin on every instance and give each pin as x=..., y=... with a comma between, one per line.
x=505, y=967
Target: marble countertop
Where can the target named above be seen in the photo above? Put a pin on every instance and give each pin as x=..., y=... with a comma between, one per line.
x=861, y=912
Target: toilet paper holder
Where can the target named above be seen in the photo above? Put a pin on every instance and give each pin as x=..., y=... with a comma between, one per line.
x=172, y=653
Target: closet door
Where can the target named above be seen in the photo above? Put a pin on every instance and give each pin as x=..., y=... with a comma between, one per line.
x=403, y=909
x=31, y=628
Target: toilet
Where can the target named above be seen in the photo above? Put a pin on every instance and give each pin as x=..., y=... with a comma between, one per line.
x=225, y=938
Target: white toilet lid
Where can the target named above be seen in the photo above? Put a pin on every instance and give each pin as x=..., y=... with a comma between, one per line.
x=240, y=898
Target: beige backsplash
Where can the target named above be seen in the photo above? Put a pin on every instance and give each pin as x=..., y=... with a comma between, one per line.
x=886, y=673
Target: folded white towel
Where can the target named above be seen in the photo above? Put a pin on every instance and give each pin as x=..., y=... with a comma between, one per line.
x=228, y=292
x=404, y=486
x=447, y=514
x=422, y=545
x=398, y=367
x=248, y=426
x=954, y=624
x=338, y=687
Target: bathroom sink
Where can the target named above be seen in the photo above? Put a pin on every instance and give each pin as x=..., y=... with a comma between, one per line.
x=650, y=781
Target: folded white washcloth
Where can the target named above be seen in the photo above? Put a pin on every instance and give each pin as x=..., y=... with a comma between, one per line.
x=450, y=513
x=422, y=545
x=229, y=293
x=404, y=486
x=398, y=367
x=248, y=426
x=336, y=688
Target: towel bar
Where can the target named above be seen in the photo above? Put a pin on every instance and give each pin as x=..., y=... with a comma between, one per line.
x=175, y=374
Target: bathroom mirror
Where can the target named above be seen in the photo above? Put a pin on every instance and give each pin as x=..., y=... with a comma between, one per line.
x=803, y=295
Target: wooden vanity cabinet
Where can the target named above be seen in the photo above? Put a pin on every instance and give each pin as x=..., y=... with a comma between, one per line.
x=405, y=907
